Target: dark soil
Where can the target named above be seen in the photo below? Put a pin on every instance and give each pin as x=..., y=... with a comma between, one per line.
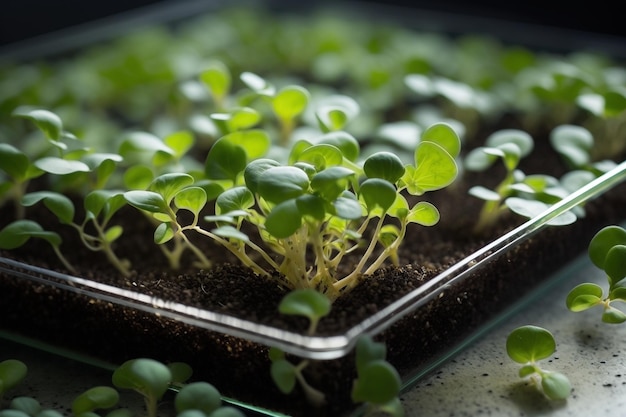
x=240, y=368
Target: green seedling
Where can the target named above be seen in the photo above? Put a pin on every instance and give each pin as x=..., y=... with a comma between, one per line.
x=378, y=383
x=100, y=206
x=607, y=251
x=99, y=397
x=148, y=377
x=12, y=373
x=204, y=398
x=18, y=232
x=526, y=195
x=322, y=200
x=529, y=344
x=312, y=305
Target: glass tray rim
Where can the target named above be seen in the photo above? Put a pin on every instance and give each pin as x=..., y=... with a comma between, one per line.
x=316, y=346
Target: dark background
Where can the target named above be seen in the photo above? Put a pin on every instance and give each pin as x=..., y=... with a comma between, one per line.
x=24, y=19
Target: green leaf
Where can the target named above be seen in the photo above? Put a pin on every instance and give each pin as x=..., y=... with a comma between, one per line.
x=225, y=161
x=331, y=182
x=14, y=162
x=255, y=142
x=28, y=405
x=573, y=142
x=290, y=101
x=533, y=208
x=284, y=375
x=143, y=142
x=12, y=373
x=230, y=232
x=306, y=302
x=170, y=184
x=237, y=198
x=61, y=206
x=284, y=219
x=49, y=123
x=335, y=111
x=216, y=77
x=347, y=206
x=612, y=315
x=445, y=136
x=198, y=396
x=163, y=233
x=192, y=198
x=615, y=263
x=424, y=213
x=95, y=398
x=112, y=233
x=385, y=165
x=434, y=169
x=17, y=233
x=138, y=177
x=520, y=138
x=367, y=351
x=376, y=192
x=180, y=142
x=281, y=183
x=378, y=383
x=181, y=372
x=483, y=193
x=254, y=171
x=603, y=241
x=583, y=297
x=321, y=156
x=528, y=344
x=146, y=200
x=147, y=376
x=343, y=141
x=107, y=201
x=60, y=166
x=555, y=385
x=257, y=84
x=312, y=206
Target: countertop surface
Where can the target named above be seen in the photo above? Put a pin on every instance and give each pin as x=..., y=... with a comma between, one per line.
x=480, y=380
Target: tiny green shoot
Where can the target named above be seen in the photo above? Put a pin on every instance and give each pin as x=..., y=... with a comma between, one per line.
x=529, y=344
x=607, y=251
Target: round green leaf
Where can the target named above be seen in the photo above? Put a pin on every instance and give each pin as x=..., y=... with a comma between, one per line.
x=555, y=385
x=377, y=192
x=434, y=168
x=321, y=156
x=193, y=199
x=615, y=263
x=347, y=207
x=445, y=136
x=12, y=372
x=13, y=161
x=603, y=241
x=254, y=142
x=281, y=183
x=530, y=344
x=163, y=233
x=331, y=182
x=311, y=205
x=424, y=213
x=290, y=101
x=225, y=161
x=573, y=142
x=518, y=137
x=170, y=184
x=217, y=79
x=385, y=165
x=583, y=296
x=378, y=383
x=237, y=198
x=95, y=398
x=284, y=375
x=147, y=376
x=612, y=315
x=343, y=141
x=284, y=219
x=305, y=302
x=254, y=171
x=146, y=200
x=198, y=396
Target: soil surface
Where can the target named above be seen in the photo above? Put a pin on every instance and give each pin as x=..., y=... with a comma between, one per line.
x=240, y=368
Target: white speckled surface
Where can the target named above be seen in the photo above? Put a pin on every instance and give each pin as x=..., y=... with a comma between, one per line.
x=482, y=380
x=479, y=381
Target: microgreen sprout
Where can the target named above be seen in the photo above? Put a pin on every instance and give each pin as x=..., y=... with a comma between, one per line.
x=529, y=344
x=312, y=305
x=99, y=397
x=322, y=200
x=527, y=195
x=12, y=373
x=607, y=251
x=148, y=377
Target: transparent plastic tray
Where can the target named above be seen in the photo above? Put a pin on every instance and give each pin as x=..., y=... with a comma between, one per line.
x=318, y=347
